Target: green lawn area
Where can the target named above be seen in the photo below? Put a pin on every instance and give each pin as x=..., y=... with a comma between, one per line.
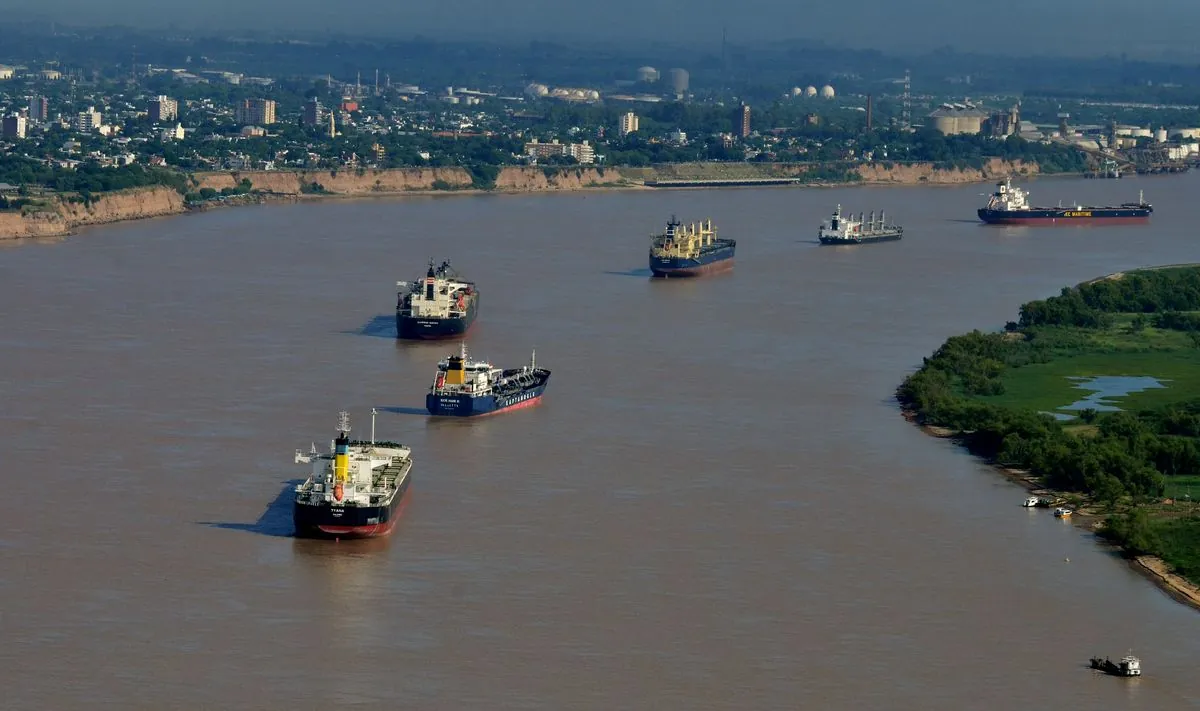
x=1179, y=544
x=1180, y=486
x=1046, y=386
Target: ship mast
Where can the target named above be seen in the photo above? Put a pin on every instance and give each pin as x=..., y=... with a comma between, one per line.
x=374, y=412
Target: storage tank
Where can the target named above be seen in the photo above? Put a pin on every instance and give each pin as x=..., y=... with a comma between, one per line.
x=1160, y=136
x=827, y=92
x=679, y=80
x=946, y=124
x=647, y=74
x=810, y=91
x=537, y=90
x=797, y=91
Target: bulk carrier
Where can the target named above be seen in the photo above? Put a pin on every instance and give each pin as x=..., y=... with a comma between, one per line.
x=847, y=230
x=469, y=388
x=690, y=251
x=1010, y=206
x=354, y=490
x=442, y=305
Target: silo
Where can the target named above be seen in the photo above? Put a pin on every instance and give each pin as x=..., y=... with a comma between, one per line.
x=648, y=75
x=679, y=80
x=946, y=123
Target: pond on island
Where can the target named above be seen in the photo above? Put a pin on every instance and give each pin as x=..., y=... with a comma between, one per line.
x=1103, y=389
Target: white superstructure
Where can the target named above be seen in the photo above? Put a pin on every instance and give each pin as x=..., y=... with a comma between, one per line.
x=440, y=295
x=355, y=473
x=1008, y=197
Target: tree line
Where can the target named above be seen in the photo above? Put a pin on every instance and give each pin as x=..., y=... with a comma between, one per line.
x=1128, y=456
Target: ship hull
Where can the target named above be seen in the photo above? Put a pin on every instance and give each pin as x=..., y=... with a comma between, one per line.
x=1057, y=216
x=323, y=520
x=461, y=405
x=718, y=260
x=431, y=329
x=865, y=239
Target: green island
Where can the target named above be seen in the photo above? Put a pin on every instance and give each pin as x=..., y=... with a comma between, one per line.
x=1093, y=395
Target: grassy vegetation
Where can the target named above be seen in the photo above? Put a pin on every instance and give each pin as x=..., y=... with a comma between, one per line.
x=1046, y=387
x=1139, y=465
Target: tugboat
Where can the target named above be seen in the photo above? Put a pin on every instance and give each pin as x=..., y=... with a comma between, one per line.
x=469, y=388
x=690, y=251
x=1010, y=206
x=847, y=230
x=442, y=305
x=354, y=490
x=1128, y=666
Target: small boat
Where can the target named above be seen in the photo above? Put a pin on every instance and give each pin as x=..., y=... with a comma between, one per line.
x=1062, y=512
x=1031, y=502
x=1128, y=666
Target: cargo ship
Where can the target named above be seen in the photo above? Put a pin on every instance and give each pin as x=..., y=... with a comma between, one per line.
x=355, y=489
x=469, y=388
x=442, y=305
x=847, y=230
x=690, y=251
x=1010, y=206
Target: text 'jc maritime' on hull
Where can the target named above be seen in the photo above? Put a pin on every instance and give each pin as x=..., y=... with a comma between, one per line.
x=1009, y=205
x=1103, y=216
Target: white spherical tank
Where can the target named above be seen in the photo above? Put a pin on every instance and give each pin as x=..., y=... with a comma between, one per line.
x=810, y=91
x=593, y=94
x=537, y=90
x=797, y=91
x=827, y=92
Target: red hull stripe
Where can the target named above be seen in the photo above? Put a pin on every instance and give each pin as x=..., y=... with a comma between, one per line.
x=705, y=269
x=519, y=406
x=1069, y=221
x=371, y=531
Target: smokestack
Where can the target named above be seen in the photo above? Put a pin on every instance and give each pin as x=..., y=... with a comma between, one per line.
x=869, y=113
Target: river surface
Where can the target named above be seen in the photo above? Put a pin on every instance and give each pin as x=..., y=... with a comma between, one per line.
x=717, y=505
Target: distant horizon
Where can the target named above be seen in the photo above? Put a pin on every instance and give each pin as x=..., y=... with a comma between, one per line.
x=1093, y=32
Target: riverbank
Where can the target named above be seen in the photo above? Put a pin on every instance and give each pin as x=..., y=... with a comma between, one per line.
x=62, y=214
x=1124, y=458
x=1088, y=515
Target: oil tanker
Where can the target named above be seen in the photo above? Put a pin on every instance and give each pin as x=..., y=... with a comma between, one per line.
x=354, y=490
x=689, y=251
x=1010, y=206
x=442, y=305
x=469, y=388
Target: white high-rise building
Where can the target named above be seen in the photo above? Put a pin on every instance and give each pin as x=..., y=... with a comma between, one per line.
x=629, y=123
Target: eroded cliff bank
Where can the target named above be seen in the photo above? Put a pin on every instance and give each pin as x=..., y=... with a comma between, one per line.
x=60, y=215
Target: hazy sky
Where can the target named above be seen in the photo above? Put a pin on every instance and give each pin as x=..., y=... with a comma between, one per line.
x=1041, y=26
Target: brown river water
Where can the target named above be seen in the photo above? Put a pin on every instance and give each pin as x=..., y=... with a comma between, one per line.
x=717, y=505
